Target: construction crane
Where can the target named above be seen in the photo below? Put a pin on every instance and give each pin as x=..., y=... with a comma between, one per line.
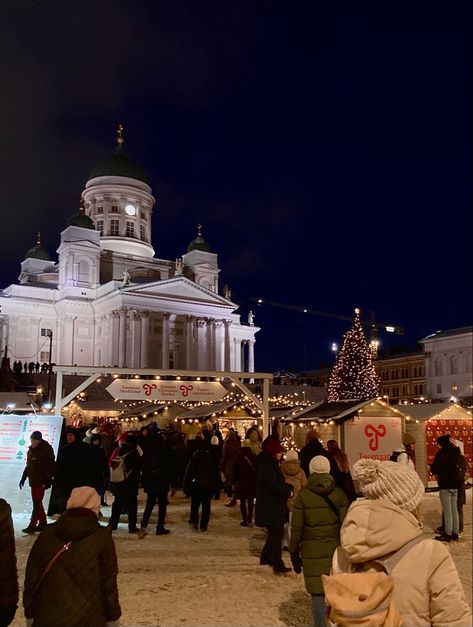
x=371, y=323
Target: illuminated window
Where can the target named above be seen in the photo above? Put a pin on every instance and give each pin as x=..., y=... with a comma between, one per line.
x=114, y=227
x=454, y=387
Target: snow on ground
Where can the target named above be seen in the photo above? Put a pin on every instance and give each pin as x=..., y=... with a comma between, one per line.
x=213, y=578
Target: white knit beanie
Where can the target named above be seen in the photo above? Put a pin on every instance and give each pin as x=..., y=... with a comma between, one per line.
x=214, y=440
x=319, y=464
x=84, y=497
x=291, y=455
x=391, y=481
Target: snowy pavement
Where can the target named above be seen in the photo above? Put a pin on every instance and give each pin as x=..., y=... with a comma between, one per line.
x=213, y=578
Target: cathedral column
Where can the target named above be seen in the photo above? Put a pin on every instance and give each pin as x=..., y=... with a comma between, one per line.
x=114, y=337
x=68, y=341
x=201, y=345
x=251, y=356
x=242, y=355
x=144, y=338
x=218, y=345
x=210, y=343
x=189, y=342
x=227, y=362
x=122, y=338
x=165, y=342
x=237, y=354
x=136, y=340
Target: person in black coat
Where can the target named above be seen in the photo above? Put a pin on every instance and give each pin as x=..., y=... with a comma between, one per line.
x=99, y=466
x=200, y=480
x=271, y=510
x=245, y=483
x=126, y=492
x=8, y=572
x=158, y=476
x=448, y=468
x=73, y=469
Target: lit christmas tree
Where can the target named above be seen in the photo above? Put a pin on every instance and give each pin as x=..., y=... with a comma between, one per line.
x=353, y=376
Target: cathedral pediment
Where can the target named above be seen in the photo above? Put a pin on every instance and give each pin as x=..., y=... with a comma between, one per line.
x=178, y=289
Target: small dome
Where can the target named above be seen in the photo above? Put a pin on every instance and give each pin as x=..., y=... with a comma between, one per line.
x=81, y=219
x=38, y=252
x=199, y=243
x=118, y=164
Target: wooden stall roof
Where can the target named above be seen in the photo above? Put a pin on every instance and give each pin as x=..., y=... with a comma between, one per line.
x=426, y=411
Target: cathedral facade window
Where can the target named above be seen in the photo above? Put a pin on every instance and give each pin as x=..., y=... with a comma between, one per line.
x=114, y=227
x=142, y=233
x=130, y=229
x=99, y=226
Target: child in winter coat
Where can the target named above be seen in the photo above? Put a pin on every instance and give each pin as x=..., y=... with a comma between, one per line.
x=293, y=474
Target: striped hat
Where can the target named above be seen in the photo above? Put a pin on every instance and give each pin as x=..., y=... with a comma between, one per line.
x=397, y=483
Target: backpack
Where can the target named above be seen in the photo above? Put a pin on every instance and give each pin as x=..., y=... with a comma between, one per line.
x=118, y=471
x=365, y=599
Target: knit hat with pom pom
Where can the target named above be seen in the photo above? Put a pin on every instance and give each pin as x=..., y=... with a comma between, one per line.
x=390, y=481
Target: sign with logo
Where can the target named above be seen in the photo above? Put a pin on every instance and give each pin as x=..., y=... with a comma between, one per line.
x=15, y=431
x=374, y=438
x=154, y=390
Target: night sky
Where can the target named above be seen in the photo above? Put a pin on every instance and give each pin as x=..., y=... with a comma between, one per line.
x=324, y=146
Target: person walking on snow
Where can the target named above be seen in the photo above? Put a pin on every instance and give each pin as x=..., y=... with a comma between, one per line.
x=295, y=476
x=39, y=471
x=245, y=483
x=447, y=466
x=318, y=513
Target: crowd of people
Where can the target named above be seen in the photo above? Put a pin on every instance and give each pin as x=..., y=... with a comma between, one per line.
x=306, y=501
x=30, y=367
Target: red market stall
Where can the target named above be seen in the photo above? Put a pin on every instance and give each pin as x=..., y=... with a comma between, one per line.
x=426, y=422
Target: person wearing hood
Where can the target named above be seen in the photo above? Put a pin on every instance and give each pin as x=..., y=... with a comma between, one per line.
x=319, y=511
x=71, y=573
x=271, y=511
x=126, y=492
x=427, y=589
x=295, y=476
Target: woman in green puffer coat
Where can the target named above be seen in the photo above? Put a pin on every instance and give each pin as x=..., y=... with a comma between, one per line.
x=317, y=516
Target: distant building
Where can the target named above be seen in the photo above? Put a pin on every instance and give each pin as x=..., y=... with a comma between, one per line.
x=448, y=364
x=109, y=301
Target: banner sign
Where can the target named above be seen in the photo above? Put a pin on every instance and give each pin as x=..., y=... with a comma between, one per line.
x=15, y=431
x=374, y=438
x=147, y=389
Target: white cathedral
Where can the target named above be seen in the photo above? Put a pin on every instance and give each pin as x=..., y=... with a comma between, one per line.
x=108, y=301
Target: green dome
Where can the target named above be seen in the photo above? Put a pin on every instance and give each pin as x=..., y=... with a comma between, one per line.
x=38, y=252
x=199, y=243
x=81, y=219
x=119, y=164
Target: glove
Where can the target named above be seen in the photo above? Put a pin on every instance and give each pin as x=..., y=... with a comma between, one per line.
x=22, y=483
x=296, y=563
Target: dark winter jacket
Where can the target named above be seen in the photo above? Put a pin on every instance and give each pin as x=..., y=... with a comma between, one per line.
x=132, y=462
x=8, y=573
x=315, y=528
x=40, y=465
x=158, y=466
x=272, y=493
x=231, y=448
x=81, y=589
x=445, y=466
x=98, y=467
x=202, y=473
x=245, y=474
x=73, y=468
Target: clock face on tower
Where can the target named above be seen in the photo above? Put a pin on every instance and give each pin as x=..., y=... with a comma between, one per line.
x=130, y=210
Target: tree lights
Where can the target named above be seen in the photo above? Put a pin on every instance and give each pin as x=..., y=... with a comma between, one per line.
x=353, y=376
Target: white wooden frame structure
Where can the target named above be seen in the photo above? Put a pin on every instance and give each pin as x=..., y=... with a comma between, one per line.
x=94, y=372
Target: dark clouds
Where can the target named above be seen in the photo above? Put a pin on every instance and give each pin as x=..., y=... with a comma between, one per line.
x=325, y=147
